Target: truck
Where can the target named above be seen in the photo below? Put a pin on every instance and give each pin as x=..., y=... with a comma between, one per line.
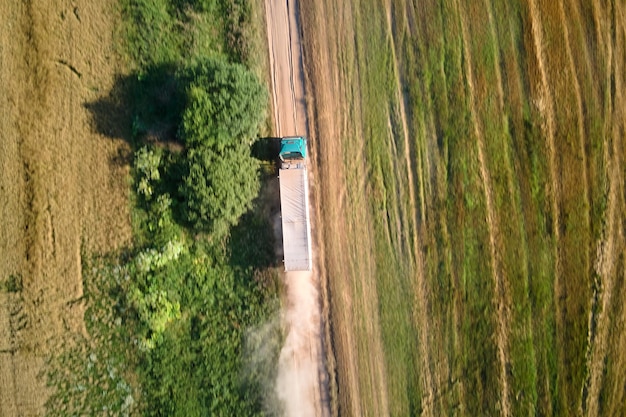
x=294, y=204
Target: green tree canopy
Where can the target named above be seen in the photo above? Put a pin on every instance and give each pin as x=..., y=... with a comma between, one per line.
x=225, y=105
x=219, y=187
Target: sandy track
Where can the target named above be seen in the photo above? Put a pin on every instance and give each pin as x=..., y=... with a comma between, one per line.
x=60, y=193
x=287, y=74
x=302, y=382
x=544, y=104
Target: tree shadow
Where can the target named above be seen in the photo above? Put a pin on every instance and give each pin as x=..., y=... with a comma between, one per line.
x=141, y=108
x=252, y=240
x=266, y=149
x=111, y=114
x=145, y=109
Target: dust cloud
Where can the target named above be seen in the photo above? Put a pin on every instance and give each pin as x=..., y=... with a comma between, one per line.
x=298, y=379
x=261, y=349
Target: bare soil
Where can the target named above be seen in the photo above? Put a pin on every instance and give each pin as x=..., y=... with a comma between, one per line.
x=63, y=189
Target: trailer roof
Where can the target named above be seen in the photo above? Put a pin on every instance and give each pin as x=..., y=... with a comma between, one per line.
x=295, y=219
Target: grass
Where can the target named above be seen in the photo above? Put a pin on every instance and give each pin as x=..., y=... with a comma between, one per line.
x=95, y=373
x=468, y=72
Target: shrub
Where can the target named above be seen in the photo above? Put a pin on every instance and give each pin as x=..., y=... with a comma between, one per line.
x=14, y=283
x=147, y=162
x=219, y=187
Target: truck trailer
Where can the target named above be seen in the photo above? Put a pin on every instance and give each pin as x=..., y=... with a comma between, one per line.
x=294, y=204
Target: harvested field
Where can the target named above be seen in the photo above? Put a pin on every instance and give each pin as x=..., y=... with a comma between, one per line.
x=63, y=189
x=470, y=167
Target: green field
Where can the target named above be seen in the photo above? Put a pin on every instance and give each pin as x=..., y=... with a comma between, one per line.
x=471, y=165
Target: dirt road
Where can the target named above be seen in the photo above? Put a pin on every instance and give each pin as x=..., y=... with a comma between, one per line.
x=288, y=99
x=302, y=382
x=61, y=194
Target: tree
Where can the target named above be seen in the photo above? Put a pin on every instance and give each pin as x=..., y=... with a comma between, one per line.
x=225, y=105
x=219, y=187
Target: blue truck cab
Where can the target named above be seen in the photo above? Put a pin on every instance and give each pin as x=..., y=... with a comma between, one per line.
x=292, y=148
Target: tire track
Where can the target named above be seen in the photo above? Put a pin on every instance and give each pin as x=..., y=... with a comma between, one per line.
x=579, y=109
x=602, y=31
x=498, y=71
x=574, y=8
x=269, y=12
x=609, y=247
x=352, y=399
x=607, y=252
x=545, y=106
x=419, y=316
x=525, y=321
x=501, y=96
x=502, y=303
x=372, y=377
x=394, y=239
x=292, y=74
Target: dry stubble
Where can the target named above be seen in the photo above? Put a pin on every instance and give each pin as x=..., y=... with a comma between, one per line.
x=61, y=193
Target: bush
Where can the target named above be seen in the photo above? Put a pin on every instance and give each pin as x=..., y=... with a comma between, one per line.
x=219, y=187
x=152, y=33
x=14, y=283
x=147, y=162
